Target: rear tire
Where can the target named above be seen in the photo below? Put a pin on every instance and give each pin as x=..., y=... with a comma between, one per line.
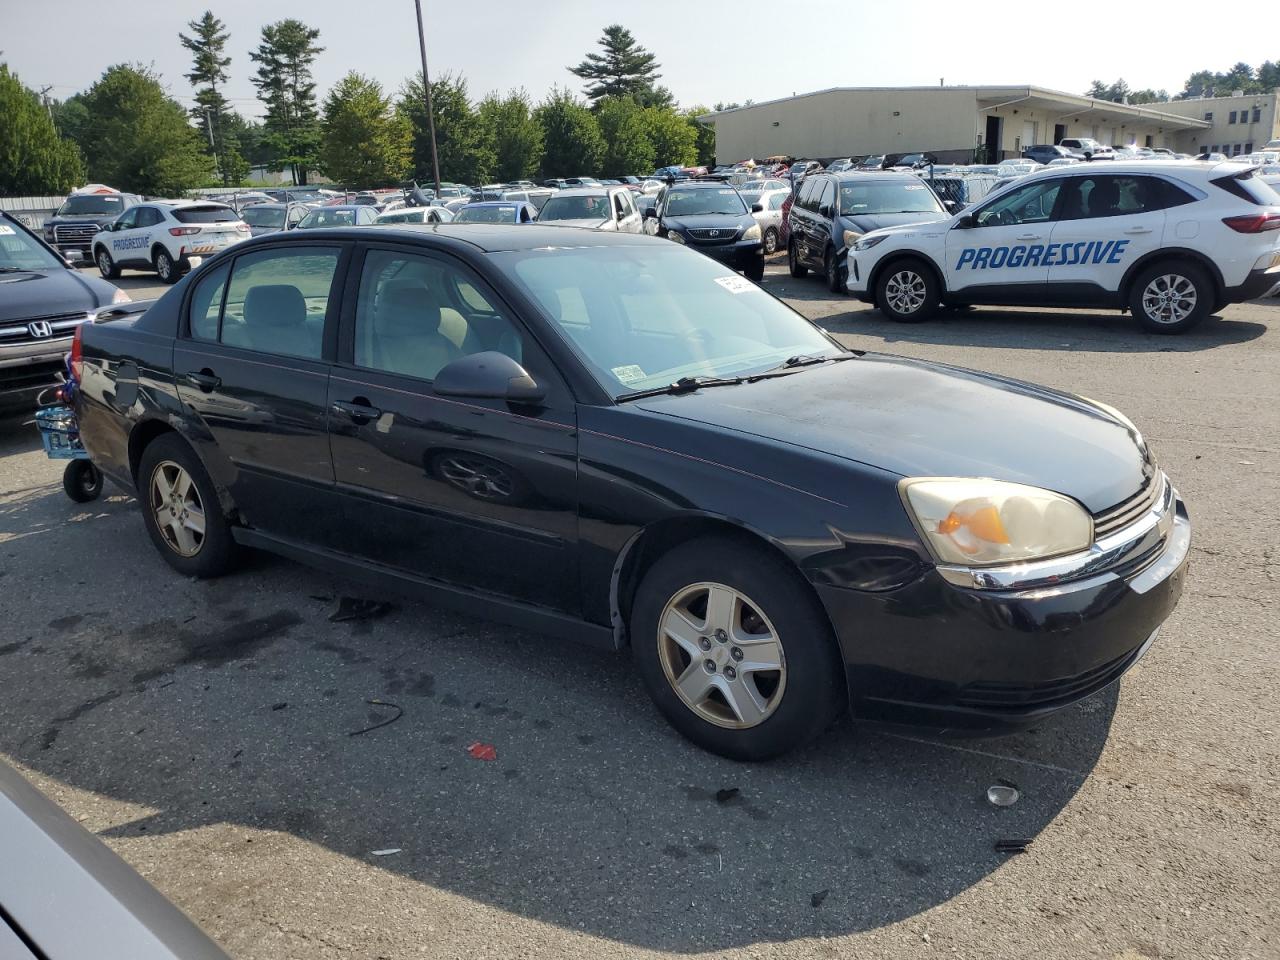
x=106, y=266
x=907, y=291
x=166, y=268
x=1172, y=296
x=831, y=272
x=172, y=483
x=765, y=615
x=794, y=265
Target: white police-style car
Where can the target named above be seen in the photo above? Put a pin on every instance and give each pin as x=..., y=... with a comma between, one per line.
x=167, y=236
x=1171, y=241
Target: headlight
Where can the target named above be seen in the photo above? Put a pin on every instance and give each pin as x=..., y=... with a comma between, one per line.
x=866, y=243
x=985, y=522
x=673, y=235
x=851, y=237
x=752, y=232
x=121, y=297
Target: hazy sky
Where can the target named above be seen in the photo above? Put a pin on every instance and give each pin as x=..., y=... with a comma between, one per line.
x=709, y=50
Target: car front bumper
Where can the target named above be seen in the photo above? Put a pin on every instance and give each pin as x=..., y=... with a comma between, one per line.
x=990, y=661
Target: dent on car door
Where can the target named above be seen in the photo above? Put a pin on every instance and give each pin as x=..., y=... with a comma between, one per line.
x=477, y=492
x=252, y=369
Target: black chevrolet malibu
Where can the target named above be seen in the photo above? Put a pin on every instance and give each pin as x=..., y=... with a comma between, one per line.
x=623, y=442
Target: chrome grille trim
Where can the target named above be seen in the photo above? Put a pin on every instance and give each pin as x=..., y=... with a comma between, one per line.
x=1124, y=513
x=74, y=232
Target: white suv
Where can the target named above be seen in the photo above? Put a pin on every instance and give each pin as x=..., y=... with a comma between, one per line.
x=167, y=236
x=1087, y=148
x=1172, y=241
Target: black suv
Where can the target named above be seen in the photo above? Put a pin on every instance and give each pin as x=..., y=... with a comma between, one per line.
x=832, y=210
x=711, y=217
x=72, y=228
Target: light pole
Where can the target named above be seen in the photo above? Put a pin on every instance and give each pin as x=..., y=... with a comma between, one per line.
x=426, y=86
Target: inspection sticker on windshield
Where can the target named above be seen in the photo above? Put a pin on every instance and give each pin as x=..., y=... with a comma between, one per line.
x=914, y=186
x=628, y=374
x=736, y=284
x=5, y=231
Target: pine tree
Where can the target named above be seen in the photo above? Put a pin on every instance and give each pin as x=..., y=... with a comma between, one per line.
x=285, y=87
x=208, y=73
x=624, y=69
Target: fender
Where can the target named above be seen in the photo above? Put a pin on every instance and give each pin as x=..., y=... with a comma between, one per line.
x=1166, y=253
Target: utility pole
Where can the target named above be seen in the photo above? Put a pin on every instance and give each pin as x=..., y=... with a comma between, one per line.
x=44, y=98
x=426, y=86
x=213, y=147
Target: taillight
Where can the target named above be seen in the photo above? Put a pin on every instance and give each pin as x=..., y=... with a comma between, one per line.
x=77, y=353
x=1253, y=222
x=183, y=231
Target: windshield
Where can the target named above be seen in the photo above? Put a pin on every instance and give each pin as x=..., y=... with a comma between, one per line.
x=859, y=198
x=91, y=205
x=486, y=215
x=20, y=251
x=645, y=316
x=697, y=203
x=575, y=208
x=405, y=216
x=258, y=217
x=328, y=217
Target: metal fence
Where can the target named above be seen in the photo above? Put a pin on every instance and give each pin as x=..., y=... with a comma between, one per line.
x=31, y=210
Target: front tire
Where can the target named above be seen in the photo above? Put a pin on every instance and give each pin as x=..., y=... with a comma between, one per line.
x=106, y=266
x=770, y=241
x=1172, y=297
x=166, y=269
x=754, y=270
x=794, y=265
x=181, y=510
x=735, y=650
x=907, y=291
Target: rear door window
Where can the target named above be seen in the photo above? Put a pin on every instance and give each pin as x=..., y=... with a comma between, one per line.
x=278, y=299
x=206, y=303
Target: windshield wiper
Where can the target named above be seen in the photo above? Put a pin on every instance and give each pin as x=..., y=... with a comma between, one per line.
x=792, y=365
x=683, y=385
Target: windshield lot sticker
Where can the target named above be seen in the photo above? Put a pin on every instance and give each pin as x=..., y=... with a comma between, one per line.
x=1042, y=255
x=5, y=231
x=736, y=284
x=628, y=374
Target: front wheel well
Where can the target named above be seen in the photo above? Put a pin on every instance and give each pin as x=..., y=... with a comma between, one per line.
x=658, y=539
x=898, y=257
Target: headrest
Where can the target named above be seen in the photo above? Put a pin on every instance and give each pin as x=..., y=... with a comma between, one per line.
x=406, y=308
x=275, y=305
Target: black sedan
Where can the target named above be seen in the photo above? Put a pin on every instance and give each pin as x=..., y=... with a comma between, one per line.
x=624, y=442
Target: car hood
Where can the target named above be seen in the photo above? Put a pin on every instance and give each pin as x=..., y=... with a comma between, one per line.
x=45, y=293
x=98, y=218
x=585, y=223
x=919, y=419
x=893, y=222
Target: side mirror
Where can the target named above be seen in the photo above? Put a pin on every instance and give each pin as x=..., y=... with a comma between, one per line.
x=824, y=210
x=757, y=208
x=965, y=223
x=489, y=375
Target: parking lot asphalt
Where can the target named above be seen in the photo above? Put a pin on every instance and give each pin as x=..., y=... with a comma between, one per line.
x=214, y=733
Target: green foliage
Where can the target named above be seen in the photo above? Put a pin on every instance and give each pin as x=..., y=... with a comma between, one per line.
x=624, y=69
x=1119, y=92
x=627, y=147
x=673, y=136
x=514, y=135
x=209, y=64
x=466, y=154
x=572, y=143
x=706, y=136
x=285, y=87
x=1242, y=77
x=33, y=158
x=136, y=138
x=364, y=142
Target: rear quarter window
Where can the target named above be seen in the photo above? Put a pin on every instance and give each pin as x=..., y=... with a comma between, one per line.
x=1251, y=189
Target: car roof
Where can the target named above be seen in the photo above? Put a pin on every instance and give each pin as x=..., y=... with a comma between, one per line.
x=851, y=176
x=1168, y=165
x=485, y=237
x=492, y=203
x=600, y=191
x=343, y=206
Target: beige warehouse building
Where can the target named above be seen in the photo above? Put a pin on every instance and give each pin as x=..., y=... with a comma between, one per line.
x=990, y=123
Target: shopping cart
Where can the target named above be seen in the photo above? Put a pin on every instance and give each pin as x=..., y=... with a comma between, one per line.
x=60, y=434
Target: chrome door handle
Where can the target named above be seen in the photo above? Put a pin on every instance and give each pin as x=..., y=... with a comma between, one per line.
x=357, y=411
x=1138, y=230
x=203, y=380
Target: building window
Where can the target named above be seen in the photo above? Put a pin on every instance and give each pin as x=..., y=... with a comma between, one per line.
x=1248, y=148
x=1208, y=116
x=1235, y=151
x=1257, y=114
x=1231, y=117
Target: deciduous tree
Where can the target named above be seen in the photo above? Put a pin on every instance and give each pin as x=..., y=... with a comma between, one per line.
x=364, y=142
x=627, y=147
x=33, y=158
x=514, y=135
x=465, y=154
x=572, y=144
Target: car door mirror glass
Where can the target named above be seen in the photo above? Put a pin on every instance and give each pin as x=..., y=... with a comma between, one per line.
x=488, y=375
x=757, y=208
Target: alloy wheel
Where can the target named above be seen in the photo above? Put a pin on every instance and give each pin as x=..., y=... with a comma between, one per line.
x=770, y=241
x=104, y=263
x=178, y=509
x=1169, y=298
x=721, y=655
x=164, y=265
x=905, y=292
x=480, y=479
